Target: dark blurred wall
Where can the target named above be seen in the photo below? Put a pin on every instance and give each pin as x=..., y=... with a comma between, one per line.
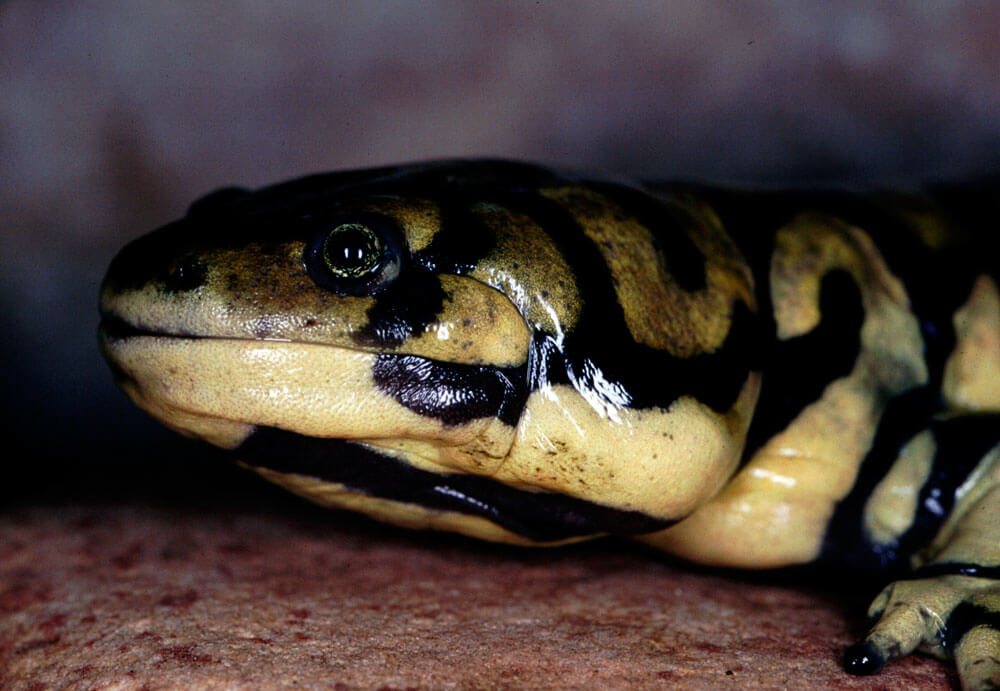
x=115, y=114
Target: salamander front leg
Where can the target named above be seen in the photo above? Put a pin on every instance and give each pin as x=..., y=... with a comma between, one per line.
x=950, y=607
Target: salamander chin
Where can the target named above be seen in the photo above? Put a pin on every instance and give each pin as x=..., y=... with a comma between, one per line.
x=358, y=469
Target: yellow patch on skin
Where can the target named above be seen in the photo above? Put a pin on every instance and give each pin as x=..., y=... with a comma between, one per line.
x=658, y=312
x=972, y=373
x=405, y=515
x=320, y=391
x=892, y=506
x=775, y=511
x=420, y=219
x=659, y=462
x=527, y=266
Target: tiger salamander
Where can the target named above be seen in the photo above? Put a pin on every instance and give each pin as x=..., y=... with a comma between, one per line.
x=742, y=379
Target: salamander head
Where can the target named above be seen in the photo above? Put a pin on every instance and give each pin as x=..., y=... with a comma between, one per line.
x=462, y=345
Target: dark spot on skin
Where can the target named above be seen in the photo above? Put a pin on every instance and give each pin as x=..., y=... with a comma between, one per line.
x=310, y=322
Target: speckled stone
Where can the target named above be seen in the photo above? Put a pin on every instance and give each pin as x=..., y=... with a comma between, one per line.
x=126, y=596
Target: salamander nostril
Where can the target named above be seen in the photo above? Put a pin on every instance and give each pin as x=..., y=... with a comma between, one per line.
x=188, y=274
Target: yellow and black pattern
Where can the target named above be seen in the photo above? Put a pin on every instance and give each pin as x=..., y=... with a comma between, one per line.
x=742, y=379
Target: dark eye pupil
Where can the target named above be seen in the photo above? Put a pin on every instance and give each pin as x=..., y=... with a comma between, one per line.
x=352, y=250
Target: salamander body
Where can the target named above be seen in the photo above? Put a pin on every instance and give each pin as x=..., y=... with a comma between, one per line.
x=743, y=379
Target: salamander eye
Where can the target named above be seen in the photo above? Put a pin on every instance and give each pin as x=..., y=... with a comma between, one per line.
x=355, y=256
x=352, y=250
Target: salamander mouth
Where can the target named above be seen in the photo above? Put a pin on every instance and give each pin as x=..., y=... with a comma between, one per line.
x=538, y=516
x=117, y=329
x=114, y=328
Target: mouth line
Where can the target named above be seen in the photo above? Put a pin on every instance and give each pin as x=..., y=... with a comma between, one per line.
x=115, y=328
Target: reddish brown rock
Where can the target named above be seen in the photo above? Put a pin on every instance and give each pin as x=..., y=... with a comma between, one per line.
x=124, y=596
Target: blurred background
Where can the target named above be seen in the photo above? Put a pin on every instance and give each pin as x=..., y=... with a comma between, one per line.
x=115, y=114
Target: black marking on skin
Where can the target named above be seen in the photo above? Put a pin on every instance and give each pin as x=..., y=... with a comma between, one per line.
x=965, y=617
x=406, y=308
x=950, y=568
x=904, y=417
x=539, y=516
x=962, y=442
x=462, y=240
x=798, y=370
x=452, y=393
x=647, y=377
x=416, y=298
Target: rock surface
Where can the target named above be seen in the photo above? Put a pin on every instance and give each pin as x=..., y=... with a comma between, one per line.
x=126, y=595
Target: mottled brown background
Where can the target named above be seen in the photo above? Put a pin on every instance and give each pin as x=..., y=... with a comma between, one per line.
x=115, y=114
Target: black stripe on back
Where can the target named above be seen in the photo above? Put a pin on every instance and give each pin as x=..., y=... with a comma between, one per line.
x=668, y=225
x=797, y=370
x=599, y=352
